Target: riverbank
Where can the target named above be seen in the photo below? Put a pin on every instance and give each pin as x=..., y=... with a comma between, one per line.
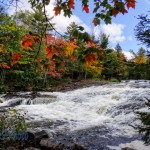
x=64, y=86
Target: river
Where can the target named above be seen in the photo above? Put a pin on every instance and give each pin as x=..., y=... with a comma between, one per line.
x=96, y=117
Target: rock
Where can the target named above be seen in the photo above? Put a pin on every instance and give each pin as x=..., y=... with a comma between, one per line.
x=127, y=148
x=32, y=148
x=11, y=148
x=77, y=147
x=35, y=138
x=40, y=135
x=46, y=144
x=1, y=101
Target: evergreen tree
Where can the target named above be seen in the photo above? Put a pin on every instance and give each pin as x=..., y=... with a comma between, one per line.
x=142, y=30
x=118, y=49
x=104, y=41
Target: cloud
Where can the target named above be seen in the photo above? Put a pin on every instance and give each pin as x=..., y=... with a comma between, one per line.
x=60, y=21
x=114, y=31
x=21, y=5
x=128, y=55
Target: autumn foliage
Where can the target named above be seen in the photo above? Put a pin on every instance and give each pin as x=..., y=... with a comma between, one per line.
x=103, y=10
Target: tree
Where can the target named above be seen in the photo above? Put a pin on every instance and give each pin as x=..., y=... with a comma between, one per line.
x=142, y=30
x=114, y=67
x=104, y=41
x=36, y=22
x=118, y=49
x=103, y=10
x=145, y=126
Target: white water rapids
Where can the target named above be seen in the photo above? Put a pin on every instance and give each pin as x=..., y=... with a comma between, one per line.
x=110, y=105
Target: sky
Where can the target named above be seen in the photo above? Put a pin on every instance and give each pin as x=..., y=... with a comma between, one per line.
x=120, y=31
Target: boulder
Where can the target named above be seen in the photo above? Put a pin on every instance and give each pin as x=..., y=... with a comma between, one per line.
x=127, y=148
x=11, y=148
x=77, y=147
x=46, y=144
x=32, y=148
x=35, y=138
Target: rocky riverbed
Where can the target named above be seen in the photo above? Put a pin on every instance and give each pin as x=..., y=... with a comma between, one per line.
x=96, y=117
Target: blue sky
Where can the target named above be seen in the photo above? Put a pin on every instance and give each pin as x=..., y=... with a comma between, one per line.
x=128, y=22
x=120, y=31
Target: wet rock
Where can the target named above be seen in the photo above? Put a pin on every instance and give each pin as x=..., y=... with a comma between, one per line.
x=32, y=148
x=46, y=144
x=77, y=147
x=40, y=135
x=35, y=138
x=14, y=103
x=127, y=148
x=11, y=148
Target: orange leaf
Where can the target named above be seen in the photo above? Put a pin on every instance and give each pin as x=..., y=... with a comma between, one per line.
x=13, y=62
x=50, y=52
x=131, y=4
x=17, y=56
x=86, y=8
x=27, y=43
x=5, y=66
x=71, y=4
x=90, y=58
x=56, y=10
x=73, y=58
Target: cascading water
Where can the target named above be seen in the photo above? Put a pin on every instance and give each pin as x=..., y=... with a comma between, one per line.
x=98, y=117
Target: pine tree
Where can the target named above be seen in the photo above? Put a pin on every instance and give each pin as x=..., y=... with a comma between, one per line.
x=118, y=49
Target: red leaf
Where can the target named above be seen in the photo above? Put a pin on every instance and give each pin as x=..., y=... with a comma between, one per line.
x=71, y=4
x=17, y=56
x=5, y=66
x=86, y=8
x=50, y=52
x=13, y=62
x=56, y=10
x=131, y=3
x=36, y=39
x=27, y=43
x=90, y=58
x=115, y=12
x=73, y=58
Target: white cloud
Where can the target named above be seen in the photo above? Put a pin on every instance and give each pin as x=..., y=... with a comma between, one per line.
x=114, y=31
x=60, y=21
x=128, y=55
x=21, y=5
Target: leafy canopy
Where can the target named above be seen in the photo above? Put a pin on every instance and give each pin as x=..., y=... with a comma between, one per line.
x=103, y=10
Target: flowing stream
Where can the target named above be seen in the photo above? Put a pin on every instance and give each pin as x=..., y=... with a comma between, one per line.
x=97, y=117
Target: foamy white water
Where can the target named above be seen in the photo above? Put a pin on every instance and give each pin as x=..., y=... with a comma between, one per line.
x=111, y=105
